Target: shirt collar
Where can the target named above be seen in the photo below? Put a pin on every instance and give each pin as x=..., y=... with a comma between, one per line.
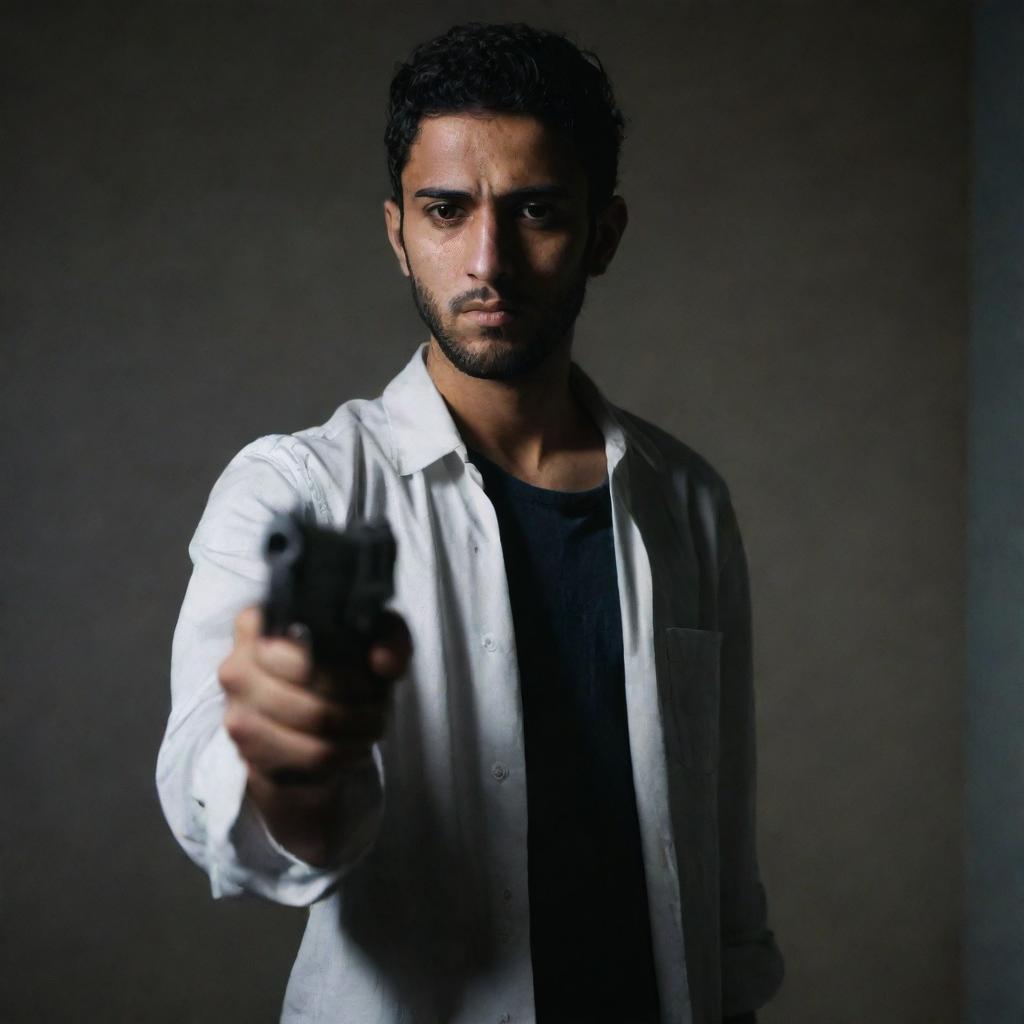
x=423, y=431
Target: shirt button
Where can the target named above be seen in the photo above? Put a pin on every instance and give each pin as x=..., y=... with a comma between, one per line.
x=499, y=771
x=489, y=642
x=506, y=894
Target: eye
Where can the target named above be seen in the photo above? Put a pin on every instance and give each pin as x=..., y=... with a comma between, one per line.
x=537, y=211
x=445, y=212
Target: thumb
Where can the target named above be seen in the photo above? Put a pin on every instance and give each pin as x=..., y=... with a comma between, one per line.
x=248, y=624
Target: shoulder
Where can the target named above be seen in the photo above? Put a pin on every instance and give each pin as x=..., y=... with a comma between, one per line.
x=699, y=492
x=355, y=424
x=677, y=459
x=698, y=495
x=319, y=467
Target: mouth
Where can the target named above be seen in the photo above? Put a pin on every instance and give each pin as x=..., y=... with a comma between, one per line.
x=490, y=318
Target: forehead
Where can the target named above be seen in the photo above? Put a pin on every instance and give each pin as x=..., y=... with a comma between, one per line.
x=501, y=151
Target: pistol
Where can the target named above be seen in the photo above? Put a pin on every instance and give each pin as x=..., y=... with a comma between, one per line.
x=329, y=584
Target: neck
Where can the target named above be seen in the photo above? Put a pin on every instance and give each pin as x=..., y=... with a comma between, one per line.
x=521, y=422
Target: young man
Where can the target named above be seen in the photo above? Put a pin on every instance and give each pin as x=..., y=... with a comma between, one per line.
x=536, y=799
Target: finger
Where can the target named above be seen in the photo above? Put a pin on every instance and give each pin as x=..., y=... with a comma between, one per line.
x=284, y=659
x=269, y=746
x=310, y=789
x=296, y=708
x=248, y=624
x=292, y=777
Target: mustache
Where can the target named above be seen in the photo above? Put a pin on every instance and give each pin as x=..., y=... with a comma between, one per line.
x=479, y=295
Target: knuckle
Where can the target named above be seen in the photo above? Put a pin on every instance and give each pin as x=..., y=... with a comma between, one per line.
x=235, y=678
x=283, y=659
x=227, y=673
x=298, y=667
x=318, y=757
x=305, y=668
x=236, y=723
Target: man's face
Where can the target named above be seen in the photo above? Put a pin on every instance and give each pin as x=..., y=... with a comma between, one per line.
x=495, y=213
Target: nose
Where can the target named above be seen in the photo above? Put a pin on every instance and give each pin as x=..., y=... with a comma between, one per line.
x=487, y=245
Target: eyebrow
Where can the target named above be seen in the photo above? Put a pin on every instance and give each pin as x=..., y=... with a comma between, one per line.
x=529, y=192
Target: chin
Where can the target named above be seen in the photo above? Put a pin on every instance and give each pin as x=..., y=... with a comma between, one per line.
x=481, y=332
x=494, y=356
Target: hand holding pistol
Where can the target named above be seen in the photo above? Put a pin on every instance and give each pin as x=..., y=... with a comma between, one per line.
x=309, y=680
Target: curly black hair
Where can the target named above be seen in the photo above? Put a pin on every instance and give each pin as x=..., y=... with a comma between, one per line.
x=509, y=68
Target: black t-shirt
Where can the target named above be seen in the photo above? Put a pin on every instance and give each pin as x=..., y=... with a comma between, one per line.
x=589, y=925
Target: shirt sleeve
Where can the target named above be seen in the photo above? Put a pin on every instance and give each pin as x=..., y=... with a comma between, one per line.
x=752, y=966
x=201, y=778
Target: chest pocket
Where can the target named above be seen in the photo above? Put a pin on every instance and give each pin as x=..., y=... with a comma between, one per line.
x=693, y=665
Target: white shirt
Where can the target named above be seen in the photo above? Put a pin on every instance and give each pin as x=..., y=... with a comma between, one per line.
x=425, y=918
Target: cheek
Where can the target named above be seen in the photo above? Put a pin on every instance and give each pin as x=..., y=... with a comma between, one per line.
x=442, y=254
x=430, y=263
x=554, y=271
x=557, y=255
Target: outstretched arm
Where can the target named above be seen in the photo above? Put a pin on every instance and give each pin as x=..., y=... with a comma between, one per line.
x=202, y=777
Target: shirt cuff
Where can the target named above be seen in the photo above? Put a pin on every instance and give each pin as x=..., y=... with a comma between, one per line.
x=241, y=854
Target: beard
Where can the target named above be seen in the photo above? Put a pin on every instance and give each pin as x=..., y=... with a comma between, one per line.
x=508, y=360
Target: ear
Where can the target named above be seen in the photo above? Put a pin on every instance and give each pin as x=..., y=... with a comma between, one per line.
x=608, y=231
x=393, y=223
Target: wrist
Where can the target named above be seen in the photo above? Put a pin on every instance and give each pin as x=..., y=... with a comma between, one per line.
x=301, y=816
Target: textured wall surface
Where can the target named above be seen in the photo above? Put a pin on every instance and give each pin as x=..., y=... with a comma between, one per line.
x=994, y=947
x=194, y=256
